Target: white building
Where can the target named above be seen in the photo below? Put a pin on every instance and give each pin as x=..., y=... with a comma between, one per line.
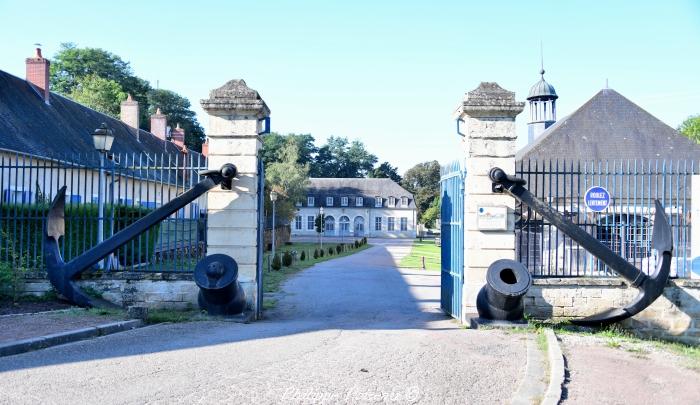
x=377, y=208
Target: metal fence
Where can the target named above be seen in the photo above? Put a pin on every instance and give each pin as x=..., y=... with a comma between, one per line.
x=625, y=226
x=127, y=187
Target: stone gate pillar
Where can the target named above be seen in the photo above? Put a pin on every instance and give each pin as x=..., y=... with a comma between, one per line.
x=487, y=123
x=235, y=120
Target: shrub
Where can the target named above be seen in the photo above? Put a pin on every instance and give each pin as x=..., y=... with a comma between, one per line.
x=338, y=249
x=276, y=262
x=364, y=240
x=321, y=252
x=357, y=244
x=287, y=259
x=315, y=253
x=303, y=255
x=330, y=251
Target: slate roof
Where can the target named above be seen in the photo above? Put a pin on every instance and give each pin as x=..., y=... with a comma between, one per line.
x=368, y=189
x=610, y=127
x=28, y=125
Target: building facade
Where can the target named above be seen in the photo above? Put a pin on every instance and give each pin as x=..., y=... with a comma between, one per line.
x=377, y=208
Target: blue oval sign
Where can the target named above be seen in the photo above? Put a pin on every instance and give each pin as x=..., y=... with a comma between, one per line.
x=597, y=199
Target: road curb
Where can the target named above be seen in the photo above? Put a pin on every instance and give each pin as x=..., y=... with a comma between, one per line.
x=556, y=369
x=533, y=386
x=42, y=342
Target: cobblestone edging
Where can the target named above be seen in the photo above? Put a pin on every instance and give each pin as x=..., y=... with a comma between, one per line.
x=673, y=316
x=55, y=339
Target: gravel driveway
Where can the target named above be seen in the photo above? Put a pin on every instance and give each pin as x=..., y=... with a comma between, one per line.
x=355, y=329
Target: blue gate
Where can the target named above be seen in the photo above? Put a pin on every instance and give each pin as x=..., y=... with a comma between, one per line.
x=452, y=238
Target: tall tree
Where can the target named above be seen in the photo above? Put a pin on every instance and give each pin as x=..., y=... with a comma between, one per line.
x=423, y=180
x=89, y=75
x=272, y=144
x=288, y=178
x=71, y=64
x=385, y=171
x=177, y=109
x=342, y=158
x=691, y=128
x=100, y=94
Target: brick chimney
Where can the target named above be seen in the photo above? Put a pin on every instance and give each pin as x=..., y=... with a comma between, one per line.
x=38, y=73
x=129, y=114
x=178, y=136
x=159, y=124
x=205, y=148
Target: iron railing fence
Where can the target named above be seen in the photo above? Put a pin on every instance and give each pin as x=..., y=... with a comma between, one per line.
x=131, y=185
x=625, y=226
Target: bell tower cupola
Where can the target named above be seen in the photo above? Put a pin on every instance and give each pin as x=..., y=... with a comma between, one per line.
x=543, y=109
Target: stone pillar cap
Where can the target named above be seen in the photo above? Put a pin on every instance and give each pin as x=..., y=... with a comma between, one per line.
x=235, y=96
x=490, y=100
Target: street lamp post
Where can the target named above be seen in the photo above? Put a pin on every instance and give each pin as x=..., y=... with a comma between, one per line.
x=273, y=198
x=322, y=225
x=102, y=139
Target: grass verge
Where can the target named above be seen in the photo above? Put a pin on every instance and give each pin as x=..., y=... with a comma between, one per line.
x=169, y=315
x=419, y=250
x=617, y=338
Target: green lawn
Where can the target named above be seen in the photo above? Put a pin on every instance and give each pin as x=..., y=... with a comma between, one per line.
x=425, y=249
x=272, y=279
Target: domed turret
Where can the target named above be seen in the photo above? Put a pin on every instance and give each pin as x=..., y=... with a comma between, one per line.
x=542, y=99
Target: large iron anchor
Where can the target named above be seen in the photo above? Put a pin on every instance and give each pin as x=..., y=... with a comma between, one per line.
x=63, y=275
x=650, y=286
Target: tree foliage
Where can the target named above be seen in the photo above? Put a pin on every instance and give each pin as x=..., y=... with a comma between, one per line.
x=423, y=180
x=288, y=178
x=385, y=171
x=432, y=213
x=691, y=128
x=98, y=93
x=177, y=109
x=100, y=80
x=342, y=158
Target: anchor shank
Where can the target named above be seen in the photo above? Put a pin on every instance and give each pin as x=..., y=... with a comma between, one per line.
x=121, y=238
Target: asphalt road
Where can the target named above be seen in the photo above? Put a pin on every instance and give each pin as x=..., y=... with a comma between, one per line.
x=350, y=330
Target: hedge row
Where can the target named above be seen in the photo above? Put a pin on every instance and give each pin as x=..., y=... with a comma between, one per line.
x=22, y=230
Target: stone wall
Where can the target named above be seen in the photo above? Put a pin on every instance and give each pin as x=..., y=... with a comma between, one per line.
x=152, y=290
x=673, y=316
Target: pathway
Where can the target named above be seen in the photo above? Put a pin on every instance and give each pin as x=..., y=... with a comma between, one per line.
x=354, y=329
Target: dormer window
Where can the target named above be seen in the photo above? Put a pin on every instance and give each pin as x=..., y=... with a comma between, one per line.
x=378, y=202
x=392, y=201
x=344, y=201
x=329, y=201
x=310, y=201
x=359, y=202
x=404, y=201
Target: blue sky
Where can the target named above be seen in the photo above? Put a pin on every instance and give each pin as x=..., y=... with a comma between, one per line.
x=389, y=73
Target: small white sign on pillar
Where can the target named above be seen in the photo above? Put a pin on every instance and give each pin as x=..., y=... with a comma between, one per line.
x=492, y=218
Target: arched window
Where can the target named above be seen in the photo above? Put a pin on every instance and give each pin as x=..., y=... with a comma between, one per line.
x=359, y=226
x=344, y=224
x=330, y=223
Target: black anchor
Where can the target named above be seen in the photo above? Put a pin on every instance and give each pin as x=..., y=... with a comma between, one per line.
x=650, y=286
x=63, y=275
